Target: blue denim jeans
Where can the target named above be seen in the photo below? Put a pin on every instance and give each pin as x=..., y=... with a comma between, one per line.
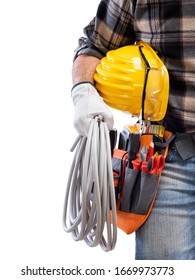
x=169, y=232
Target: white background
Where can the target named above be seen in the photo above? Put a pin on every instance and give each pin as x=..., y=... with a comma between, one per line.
x=37, y=39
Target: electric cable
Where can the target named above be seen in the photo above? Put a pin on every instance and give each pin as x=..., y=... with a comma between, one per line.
x=90, y=195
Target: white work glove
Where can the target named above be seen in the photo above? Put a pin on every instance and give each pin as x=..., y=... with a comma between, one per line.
x=89, y=104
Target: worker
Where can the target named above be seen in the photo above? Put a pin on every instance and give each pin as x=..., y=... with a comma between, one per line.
x=168, y=26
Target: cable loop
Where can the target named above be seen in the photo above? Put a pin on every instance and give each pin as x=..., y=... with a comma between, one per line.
x=90, y=194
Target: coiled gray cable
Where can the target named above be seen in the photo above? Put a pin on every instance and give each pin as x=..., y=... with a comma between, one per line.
x=90, y=194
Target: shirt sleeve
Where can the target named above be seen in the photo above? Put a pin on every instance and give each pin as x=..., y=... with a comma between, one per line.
x=112, y=27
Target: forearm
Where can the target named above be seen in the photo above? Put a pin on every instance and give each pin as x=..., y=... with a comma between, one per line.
x=84, y=68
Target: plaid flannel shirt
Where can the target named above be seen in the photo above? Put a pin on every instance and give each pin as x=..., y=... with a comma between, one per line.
x=169, y=26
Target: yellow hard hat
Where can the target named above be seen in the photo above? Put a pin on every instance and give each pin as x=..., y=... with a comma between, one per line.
x=134, y=79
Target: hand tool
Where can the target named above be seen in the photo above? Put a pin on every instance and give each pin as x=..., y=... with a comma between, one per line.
x=136, y=164
x=156, y=164
x=150, y=151
x=156, y=129
x=143, y=153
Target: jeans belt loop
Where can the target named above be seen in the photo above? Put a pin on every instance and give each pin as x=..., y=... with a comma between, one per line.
x=185, y=145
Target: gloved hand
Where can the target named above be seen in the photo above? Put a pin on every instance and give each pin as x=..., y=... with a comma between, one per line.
x=89, y=104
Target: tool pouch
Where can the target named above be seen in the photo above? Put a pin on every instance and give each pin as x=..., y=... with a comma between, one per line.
x=136, y=190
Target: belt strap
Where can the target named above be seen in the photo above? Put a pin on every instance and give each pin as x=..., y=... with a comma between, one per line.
x=185, y=145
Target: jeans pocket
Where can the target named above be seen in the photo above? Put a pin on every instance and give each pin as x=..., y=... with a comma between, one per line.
x=132, y=178
x=171, y=155
x=144, y=193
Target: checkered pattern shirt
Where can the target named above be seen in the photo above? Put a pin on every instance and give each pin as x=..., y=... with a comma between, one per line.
x=169, y=26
